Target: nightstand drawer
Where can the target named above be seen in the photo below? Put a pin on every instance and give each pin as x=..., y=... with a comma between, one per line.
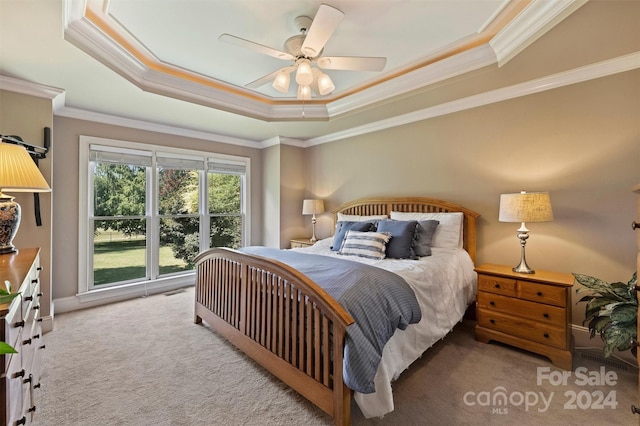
x=535, y=311
x=527, y=329
x=542, y=293
x=497, y=285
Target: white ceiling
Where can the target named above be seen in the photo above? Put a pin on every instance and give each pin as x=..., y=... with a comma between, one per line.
x=160, y=61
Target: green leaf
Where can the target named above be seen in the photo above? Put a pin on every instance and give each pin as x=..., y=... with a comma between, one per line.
x=596, y=306
x=618, y=338
x=6, y=349
x=598, y=324
x=624, y=313
x=8, y=297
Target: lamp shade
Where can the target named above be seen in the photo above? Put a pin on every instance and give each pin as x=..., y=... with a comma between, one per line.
x=281, y=82
x=525, y=207
x=325, y=85
x=312, y=207
x=304, y=76
x=18, y=172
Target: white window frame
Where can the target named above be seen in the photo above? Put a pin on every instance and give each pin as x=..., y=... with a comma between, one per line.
x=164, y=283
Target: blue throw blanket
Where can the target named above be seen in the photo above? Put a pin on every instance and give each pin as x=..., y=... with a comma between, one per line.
x=378, y=300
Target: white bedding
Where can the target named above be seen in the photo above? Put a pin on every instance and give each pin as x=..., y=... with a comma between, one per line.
x=444, y=284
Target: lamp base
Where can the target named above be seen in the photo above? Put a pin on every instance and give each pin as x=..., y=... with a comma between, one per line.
x=523, y=269
x=10, y=216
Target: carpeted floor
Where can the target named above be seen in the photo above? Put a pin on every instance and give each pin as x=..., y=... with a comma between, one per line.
x=144, y=362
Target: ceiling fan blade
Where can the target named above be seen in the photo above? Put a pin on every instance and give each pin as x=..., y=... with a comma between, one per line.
x=265, y=50
x=268, y=78
x=352, y=63
x=324, y=24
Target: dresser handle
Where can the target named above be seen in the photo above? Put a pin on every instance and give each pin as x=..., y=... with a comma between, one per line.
x=497, y=285
x=545, y=315
x=18, y=324
x=546, y=335
x=28, y=298
x=40, y=294
x=19, y=374
x=492, y=321
x=539, y=293
x=39, y=268
x=35, y=308
x=36, y=336
x=39, y=320
x=492, y=303
x=22, y=421
x=42, y=347
x=635, y=225
x=26, y=342
x=34, y=281
x=37, y=386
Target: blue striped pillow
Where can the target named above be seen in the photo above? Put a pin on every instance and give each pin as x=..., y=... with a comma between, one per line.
x=372, y=245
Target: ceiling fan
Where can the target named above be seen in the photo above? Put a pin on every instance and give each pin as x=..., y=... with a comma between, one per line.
x=303, y=51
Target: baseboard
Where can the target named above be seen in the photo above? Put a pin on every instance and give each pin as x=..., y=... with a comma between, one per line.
x=593, y=348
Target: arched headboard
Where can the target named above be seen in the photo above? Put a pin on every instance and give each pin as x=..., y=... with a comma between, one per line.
x=385, y=205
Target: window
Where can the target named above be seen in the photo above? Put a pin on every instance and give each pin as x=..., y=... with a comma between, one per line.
x=146, y=212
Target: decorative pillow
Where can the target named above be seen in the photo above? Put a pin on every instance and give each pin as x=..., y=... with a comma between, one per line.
x=425, y=231
x=357, y=218
x=402, y=236
x=371, y=245
x=343, y=227
x=449, y=231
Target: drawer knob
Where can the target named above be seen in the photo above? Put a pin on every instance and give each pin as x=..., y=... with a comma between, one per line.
x=36, y=336
x=39, y=268
x=635, y=409
x=545, y=315
x=539, y=293
x=546, y=335
x=19, y=374
x=34, y=281
x=18, y=324
x=492, y=303
x=492, y=321
x=42, y=347
x=28, y=298
x=22, y=421
x=635, y=225
x=37, y=386
x=26, y=342
x=497, y=285
x=40, y=294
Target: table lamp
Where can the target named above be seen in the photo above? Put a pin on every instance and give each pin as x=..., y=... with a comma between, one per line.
x=313, y=207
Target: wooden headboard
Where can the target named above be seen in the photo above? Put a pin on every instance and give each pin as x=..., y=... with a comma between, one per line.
x=384, y=205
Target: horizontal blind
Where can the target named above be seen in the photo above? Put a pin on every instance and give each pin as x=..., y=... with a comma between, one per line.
x=227, y=168
x=120, y=158
x=180, y=163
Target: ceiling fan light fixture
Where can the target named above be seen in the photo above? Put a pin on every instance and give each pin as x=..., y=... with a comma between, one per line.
x=325, y=85
x=304, y=93
x=281, y=82
x=304, y=76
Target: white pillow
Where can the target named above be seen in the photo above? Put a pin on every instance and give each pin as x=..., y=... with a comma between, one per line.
x=449, y=231
x=357, y=218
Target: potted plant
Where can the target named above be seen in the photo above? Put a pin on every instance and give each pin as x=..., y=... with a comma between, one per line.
x=611, y=310
x=5, y=297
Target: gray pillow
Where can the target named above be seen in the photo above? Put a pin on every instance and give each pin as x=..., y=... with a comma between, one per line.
x=424, y=235
x=343, y=227
x=402, y=236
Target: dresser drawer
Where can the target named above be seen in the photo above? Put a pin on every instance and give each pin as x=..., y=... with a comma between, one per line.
x=497, y=285
x=534, y=331
x=13, y=384
x=536, y=311
x=542, y=293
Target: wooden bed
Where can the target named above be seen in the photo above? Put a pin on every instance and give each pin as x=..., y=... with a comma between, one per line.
x=283, y=320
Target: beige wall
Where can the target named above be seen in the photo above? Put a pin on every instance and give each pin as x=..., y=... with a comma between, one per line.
x=65, y=213
x=27, y=116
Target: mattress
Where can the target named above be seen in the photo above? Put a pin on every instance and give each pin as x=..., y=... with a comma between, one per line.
x=444, y=283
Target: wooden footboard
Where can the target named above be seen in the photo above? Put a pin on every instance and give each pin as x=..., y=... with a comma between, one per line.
x=281, y=319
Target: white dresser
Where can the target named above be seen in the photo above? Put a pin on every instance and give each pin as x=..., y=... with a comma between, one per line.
x=20, y=326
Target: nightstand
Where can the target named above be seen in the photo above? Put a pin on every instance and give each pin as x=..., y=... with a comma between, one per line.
x=529, y=311
x=301, y=242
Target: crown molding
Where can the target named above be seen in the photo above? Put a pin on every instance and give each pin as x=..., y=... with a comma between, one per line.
x=33, y=89
x=533, y=22
x=588, y=72
x=97, y=117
